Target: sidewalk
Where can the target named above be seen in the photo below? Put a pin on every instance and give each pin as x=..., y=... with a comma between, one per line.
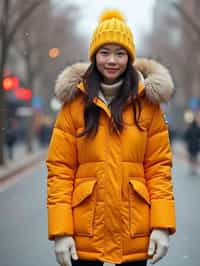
x=21, y=160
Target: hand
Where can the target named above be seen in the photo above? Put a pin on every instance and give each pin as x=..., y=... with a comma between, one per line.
x=159, y=244
x=64, y=250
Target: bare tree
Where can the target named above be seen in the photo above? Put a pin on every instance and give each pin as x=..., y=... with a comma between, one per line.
x=174, y=40
x=188, y=18
x=8, y=30
x=46, y=29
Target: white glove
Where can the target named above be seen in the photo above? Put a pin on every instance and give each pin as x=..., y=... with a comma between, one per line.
x=159, y=244
x=65, y=249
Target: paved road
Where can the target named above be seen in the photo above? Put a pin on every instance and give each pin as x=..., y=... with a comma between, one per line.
x=23, y=228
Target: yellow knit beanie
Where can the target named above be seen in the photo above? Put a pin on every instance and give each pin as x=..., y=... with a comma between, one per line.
x=112, y=28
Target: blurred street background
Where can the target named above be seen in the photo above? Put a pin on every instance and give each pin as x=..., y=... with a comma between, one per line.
x=38, y=39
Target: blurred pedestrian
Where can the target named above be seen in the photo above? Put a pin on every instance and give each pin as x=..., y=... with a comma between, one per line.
x=192, y=138
x=44, y=134
x=172, y=134
x=110, y=192
x=11, y=138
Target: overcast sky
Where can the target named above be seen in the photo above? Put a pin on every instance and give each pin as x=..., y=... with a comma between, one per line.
x=138, y=14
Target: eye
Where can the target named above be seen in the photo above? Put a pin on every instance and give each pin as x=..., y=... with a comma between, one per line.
x=121, y=54
x=103, y=52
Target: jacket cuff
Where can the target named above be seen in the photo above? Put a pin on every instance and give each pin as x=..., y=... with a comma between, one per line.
x=163, y=215
x=60, y=221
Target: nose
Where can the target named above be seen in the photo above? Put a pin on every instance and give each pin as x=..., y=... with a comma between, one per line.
x=111, y=59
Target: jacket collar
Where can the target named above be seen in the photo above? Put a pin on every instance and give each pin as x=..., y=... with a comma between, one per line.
x=99, y=102
x=155, y=81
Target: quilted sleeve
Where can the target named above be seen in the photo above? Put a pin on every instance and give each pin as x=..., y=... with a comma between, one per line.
x=61, y=164
x=157, y=165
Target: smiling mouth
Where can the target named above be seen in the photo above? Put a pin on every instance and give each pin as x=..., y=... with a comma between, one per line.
x=111, y=70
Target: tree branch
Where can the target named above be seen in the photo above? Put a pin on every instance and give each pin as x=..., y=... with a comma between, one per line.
x=188, y=18
x=21, y=19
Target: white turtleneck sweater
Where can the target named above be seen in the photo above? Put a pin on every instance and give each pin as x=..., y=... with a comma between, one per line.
x=108, y=91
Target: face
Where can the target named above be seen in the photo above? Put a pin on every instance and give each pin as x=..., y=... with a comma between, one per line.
x=111, y=60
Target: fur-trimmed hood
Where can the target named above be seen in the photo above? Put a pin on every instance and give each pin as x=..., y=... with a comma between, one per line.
x=158, y=82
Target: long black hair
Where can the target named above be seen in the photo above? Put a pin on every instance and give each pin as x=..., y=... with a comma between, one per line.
x=91, y=81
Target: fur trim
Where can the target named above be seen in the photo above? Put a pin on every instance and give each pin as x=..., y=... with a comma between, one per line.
x=159, y=86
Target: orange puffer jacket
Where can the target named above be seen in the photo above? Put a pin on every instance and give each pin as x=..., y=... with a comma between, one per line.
x=110, y=191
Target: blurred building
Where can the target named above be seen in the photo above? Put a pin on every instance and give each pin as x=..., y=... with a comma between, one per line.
x=165, y=15
x=166, y=41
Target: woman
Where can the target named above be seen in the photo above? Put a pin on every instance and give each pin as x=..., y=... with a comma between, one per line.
x=110, y=196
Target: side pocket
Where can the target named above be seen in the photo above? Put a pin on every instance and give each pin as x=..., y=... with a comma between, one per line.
x=83, y=208
x=139, y=205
